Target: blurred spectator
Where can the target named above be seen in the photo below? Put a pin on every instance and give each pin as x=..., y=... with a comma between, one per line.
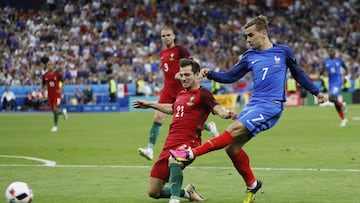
x=8, y=100
x=88, y=96
x=91, y=39
x=112, y=89
x=35, y=99
x=77, y=96
x=142, y=88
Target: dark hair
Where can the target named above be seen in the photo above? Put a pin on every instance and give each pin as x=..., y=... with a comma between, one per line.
x=260, y=22
x=195, y=67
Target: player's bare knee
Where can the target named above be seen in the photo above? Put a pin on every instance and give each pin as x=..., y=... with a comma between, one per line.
x=159, y=117
x=153, y=194
x=237, y=129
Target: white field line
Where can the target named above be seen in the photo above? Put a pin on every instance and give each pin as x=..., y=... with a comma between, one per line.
x=49, y=163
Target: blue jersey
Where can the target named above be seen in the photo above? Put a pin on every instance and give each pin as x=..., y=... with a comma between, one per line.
x=269, y=69
x=333, y=68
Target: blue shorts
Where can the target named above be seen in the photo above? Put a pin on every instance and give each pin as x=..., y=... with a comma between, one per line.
x=259, y=116
x=335, y=90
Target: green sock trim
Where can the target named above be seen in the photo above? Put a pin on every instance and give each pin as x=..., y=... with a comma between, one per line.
x=56, y=119
x=165, y=192
x=154, y=134
x=206, y=127
x=175, y=179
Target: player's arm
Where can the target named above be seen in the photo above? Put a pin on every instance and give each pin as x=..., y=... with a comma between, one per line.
x=344, y=67
x=300, y=77
x=234, y=74
x=224, y=113
x=142, y=104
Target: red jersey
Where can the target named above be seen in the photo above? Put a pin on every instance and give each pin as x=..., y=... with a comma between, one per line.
x=52, y=83
x=170, y=60
x=191, y=109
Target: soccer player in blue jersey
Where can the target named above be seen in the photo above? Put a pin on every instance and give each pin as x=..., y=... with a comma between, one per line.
x=333, y=66
x=268, y=63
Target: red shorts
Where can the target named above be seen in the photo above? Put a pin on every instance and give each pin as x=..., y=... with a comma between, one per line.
x=167, y=97
x=54, y=102
x=161, y=167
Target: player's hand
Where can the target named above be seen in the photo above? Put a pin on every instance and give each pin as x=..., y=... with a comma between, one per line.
x=139, y=104
x=232, y=114
x=322, y=98
x=204, y=72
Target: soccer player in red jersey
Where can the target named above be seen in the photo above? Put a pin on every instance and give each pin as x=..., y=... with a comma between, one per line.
x=53, y=80
x=169, y=58
x=190, y=110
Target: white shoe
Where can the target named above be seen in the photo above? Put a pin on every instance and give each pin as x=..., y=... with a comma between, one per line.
x=194, y=195
x=174, y=201
x=343, y=122
x=65, y=114
x=146, y=152
x=54, y=129
x=213, y=130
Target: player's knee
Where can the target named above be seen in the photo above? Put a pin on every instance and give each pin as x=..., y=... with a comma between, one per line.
x=159, y=117
x=237, y=129
x=153, y=194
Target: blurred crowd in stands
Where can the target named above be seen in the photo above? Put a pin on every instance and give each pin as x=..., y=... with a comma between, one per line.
x=93, y=40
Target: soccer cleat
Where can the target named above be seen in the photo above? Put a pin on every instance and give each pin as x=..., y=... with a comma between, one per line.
x=174, y=201
x=54, y=129
x=250, y=193
x=146, y=152
x=65, y=114
x=194, y=195
x=343, y=123
x=343, y=108
x=213, y=130
x=182, y=155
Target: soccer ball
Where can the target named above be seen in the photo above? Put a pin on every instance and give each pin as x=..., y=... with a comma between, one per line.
x=19, y=192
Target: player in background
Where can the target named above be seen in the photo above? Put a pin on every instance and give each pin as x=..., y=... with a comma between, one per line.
x=53, y=80
x=268, y=63
x=169, y=58
x=190, y=110
x=333, y=66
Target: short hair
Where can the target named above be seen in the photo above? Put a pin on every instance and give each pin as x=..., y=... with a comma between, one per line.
x=195, y=67
x=260, y=22
x=165, y=27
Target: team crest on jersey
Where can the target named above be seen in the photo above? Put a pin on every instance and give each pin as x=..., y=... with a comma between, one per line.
x=190, y=102
x=277, y=59
x=172, y=57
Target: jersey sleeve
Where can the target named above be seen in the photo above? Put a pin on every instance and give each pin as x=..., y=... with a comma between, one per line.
x=208, y=99
x=298, y=73
x=183, y=53
x=235, y=73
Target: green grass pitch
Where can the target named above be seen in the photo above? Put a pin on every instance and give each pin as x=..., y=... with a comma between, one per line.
x=305, y=158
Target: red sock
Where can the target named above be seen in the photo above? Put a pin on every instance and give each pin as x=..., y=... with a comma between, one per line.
x=242, y=164
x=215, y=143
x=339, y=110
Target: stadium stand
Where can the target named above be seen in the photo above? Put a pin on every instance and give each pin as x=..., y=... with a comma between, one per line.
x=89, y=40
